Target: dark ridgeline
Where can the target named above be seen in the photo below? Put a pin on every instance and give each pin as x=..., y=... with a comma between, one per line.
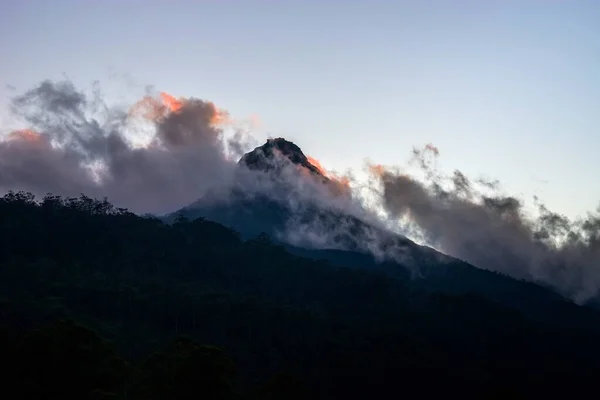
x=96, y=302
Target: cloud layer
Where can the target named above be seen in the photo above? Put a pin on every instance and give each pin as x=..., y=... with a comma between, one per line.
x=471, y=221
x=75, y=143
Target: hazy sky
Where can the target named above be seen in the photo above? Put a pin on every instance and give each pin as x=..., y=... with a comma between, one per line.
x=508, y=89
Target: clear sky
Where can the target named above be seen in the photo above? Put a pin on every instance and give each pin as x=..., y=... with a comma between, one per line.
x=508, y=89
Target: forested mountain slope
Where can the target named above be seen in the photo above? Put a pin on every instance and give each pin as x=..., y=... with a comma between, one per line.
x=280, y=208
x=286, y=325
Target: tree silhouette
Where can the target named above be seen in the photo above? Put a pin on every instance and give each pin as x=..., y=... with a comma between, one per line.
x=186, y=370
x=340, y=331
x=66, y=361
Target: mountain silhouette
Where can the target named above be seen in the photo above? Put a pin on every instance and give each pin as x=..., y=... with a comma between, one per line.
x=266, y=212
x=424, y=267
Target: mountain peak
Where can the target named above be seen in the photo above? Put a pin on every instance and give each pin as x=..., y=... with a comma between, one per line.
x=263, y=157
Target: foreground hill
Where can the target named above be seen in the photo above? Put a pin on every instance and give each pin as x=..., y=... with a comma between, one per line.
x=287, y=326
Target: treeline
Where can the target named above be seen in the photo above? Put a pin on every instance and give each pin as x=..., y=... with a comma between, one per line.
x=65, y=360
x=282, y=325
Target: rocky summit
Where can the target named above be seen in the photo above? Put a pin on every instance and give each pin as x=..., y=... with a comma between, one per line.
x=265, y=157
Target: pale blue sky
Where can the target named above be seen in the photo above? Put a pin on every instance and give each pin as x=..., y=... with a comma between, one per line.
x=509, y=89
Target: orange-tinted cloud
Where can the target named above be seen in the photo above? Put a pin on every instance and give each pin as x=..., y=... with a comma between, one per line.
x=317, y=164
x=148, y=108
x=341, y=184
x=28, y=135
x=169, y=101
x=156, y=108
x=220, y=117
x=377, y=170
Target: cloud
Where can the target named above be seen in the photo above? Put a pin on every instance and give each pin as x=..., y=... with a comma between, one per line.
x=77, y=144
x=474, y=222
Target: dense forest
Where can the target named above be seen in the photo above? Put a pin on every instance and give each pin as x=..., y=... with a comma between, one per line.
x=99, y=303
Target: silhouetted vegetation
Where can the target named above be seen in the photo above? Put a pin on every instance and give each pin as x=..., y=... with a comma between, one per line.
x=190, y=310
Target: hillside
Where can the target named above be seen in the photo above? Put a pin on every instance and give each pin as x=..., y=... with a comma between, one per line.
x=284, y=325
x=282, y=210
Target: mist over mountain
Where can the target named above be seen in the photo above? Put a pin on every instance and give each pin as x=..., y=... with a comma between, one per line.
x=303, y=219
x=283, y=194
x=72, y=142
x=289, y=214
